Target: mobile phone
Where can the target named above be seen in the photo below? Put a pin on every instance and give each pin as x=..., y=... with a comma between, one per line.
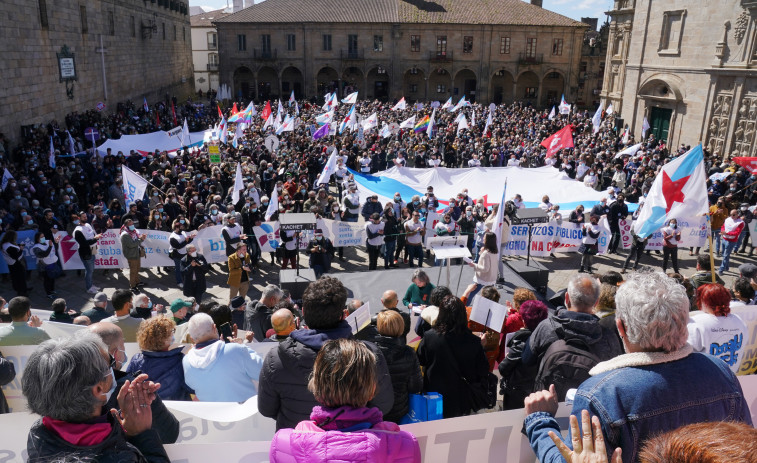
x=225, y=331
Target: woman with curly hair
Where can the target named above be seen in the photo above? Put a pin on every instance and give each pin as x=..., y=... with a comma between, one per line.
x=158, y=360
x=717, y=331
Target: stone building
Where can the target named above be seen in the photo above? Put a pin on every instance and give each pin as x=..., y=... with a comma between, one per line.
x=127, y=49
x=592, y=68
x=690, y=69
x=487, y=50
x=205, y=49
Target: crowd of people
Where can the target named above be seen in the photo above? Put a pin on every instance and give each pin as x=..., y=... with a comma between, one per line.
x=620, y=347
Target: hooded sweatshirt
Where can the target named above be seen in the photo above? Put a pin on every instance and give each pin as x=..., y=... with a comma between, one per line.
x=222, y=372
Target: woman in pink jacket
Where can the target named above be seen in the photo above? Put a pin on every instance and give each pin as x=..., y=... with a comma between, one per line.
x=342, y=428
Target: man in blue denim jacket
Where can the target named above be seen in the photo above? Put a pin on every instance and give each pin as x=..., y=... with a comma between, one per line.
x=658, y=386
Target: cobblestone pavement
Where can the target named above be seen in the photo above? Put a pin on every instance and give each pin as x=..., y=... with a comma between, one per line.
x=162, y=290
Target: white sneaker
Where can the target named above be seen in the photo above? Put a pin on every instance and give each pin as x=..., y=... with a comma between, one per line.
x=96, y=288
x=92, y=290
x=181, y=285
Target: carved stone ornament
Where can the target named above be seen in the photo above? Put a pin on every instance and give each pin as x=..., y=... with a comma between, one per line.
x=740, y=25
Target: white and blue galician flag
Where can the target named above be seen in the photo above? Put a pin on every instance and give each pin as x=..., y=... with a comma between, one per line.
x=564, y=106
x=134, y=185
x=351, y=98
x=448, y=104
x=348, y=120
x=596, y=121
x=144, y=104
x=680, y=190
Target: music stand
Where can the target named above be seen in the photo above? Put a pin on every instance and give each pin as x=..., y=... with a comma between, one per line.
x=448, y=248
x=297, y=222
x=530, y=217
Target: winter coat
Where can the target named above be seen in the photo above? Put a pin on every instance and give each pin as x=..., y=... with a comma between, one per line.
x=517, y=379
x=345, y=434
x=45, y=445
x=568, y=325
x=257, y=318
x=404, y=370
x=7, y=374
x=194, y=276
x=235, y=268
x=165, y=368
x=438, y=354
x=283, y=393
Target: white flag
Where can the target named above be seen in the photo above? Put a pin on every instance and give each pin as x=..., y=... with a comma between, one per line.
x=473, y=119
x=552, y=114
x=328, y=170
x=134, y=185
x=51, y=160
x=596, y=121
x=370, y=123
x=431, y=122
x=185, y=140
x=448, y=104
x=296, y=108
x=7, y=177
x=286, y=126
x=238, y=134
x=564, y=106
x=280, y=109
x=386, y=131
x=460, y=104
x=631, y=150
x=350, y=99
x=463, y=124
x=644, y=127
x=626, y=137
x=610, y=109
x=268, y=122
x=273, y=206
x=71, y=144
x=291, y=98
x=238, y=184
x=408, y=123
x=488, y=123
x=400, y=104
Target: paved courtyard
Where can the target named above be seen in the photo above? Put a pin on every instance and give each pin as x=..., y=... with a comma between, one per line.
x=162, y=290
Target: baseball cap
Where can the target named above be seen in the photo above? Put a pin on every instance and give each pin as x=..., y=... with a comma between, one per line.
x=101, y=297
x=748, y=270
x=179, y=304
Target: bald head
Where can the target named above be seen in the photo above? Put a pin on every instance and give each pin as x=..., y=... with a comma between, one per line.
x=282, y=322
x=111, y=334
x=82, y=320
x=389, y=299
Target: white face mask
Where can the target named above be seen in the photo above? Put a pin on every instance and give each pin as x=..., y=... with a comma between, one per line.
x=193, y=254
x=112, y=386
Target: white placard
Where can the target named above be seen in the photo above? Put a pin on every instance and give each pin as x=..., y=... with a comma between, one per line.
x=488, y=313
x=360, y=318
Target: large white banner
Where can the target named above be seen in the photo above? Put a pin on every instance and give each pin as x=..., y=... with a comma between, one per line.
x=341, y=234
x=147, y=143
x=488, y=437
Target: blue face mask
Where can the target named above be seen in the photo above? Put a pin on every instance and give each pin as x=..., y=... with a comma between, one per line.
x=23, y=214
x=265, y=204
x=149, y=304
x=416, y=202
x=131, y=227
x=76, y=222
x=181, y=221
x=160, y=209
x=42, y=240
x=67, y=202
x=254, y=209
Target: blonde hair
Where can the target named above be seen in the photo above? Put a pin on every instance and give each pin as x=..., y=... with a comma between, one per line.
x=344, y=373
x=154, y=332
x=390, y=323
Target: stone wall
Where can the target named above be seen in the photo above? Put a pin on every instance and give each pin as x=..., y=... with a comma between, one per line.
x=309, y=65
x=136, y=66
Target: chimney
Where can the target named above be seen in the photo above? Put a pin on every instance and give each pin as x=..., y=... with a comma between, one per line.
x=238, y=5
x=537, y=3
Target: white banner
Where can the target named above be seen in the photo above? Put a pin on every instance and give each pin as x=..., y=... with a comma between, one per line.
x=341, y=234
x=134, y=185
x=488, y=437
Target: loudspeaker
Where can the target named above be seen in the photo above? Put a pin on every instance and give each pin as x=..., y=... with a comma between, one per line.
x=296, y=284
x=534, y=273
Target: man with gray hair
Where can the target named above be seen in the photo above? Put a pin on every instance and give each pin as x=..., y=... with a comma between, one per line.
x=571, y=334
x=257, y=315
x=217, y=371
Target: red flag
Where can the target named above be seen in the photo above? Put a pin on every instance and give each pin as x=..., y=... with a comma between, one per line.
x=220, y=113
x=749, y=164
x=157, y=119
x=266, y=111
x=173, y=111
x=561, y=139
x=234, y=108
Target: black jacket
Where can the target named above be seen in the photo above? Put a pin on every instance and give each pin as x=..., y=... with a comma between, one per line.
x=283, y=392
x=194, y=276
x=7, y=374
x=44, y=445
x=438, y=355
x=404, y=370
x=405, y=317
x=517, y=379
x=257, y=318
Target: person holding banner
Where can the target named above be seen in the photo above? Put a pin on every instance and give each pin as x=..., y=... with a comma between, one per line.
x=415, y=230
x=179, y=239
x=589, y=245
x=48, y=261
x=14, y=257
x=671, y=235
x=131, y=244
x=374, y=230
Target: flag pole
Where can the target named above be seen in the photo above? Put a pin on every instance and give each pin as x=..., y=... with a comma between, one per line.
x=709, y=241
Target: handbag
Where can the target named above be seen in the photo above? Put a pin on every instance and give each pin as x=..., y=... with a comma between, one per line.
x=174, y=254
x=142, y=253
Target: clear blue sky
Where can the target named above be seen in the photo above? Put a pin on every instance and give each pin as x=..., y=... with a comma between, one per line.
x=571, y=8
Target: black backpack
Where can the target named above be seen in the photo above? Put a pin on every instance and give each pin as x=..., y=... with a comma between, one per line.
x=565, y=364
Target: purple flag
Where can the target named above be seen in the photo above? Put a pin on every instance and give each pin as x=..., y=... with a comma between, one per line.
x=321, y=132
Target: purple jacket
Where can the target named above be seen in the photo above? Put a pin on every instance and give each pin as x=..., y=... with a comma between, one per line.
x=345, y=434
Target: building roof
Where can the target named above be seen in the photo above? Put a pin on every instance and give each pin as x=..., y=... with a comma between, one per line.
x=207, y=18
x=506, y=12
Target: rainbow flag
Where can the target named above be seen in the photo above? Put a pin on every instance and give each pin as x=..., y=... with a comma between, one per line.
x=421, y=125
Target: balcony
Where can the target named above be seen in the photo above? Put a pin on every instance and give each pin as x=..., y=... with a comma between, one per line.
x=261, y=55
x=212, y=67
x=212, y=46
x=440, y=56
x=352, y=54
x=527, y=59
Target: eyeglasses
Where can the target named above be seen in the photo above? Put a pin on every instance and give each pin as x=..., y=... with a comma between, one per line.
x=112, y=363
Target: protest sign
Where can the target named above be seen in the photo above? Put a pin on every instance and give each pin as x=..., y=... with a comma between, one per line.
x=748, y=354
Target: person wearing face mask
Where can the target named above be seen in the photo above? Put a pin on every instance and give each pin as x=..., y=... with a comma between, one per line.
x=44, y=251
x=671, y=235
x=131, y=244
x=18, y=202
x=589, y=245
x=391, y=231
x=72, y=401
x=24, y=328
x=232, y=234
x=158, y=360
x=374, y=230
x=467, y=226
x=239, y=266
x=252, y=217
x=178, y=240
x=321, y=252
x=123, y=304
x=193, y=267
x=618, y=212
x=143, y=307
x=86, y=240
x=14, y=257
x=729, y=232
x=351, y=204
